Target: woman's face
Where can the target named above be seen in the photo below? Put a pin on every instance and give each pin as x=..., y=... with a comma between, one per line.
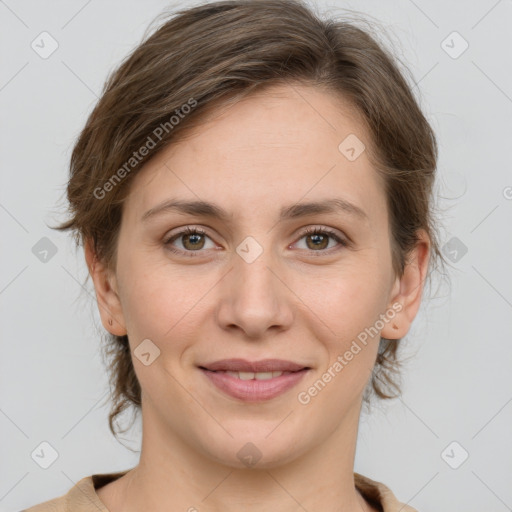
x=252, y=284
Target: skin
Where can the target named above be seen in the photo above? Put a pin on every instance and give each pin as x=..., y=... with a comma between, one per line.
x=293, y=302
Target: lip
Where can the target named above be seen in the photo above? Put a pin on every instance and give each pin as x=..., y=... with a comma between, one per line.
x=254, y=390
x=265, y=365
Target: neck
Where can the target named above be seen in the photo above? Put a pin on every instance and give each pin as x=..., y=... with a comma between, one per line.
x=174, y=475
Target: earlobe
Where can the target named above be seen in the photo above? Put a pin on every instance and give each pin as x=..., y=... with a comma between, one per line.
x=407, y=291
x=107, y=297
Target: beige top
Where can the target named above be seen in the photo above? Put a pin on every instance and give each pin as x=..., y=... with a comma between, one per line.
x=82, y=496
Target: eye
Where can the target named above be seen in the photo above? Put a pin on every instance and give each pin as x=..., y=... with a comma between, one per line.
x=317, y=239
x=192, y=241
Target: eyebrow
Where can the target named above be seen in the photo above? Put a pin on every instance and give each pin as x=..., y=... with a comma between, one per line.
x=294, y=211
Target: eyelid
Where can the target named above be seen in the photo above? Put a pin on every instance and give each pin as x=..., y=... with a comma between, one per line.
x=184, y=230
x=341, y=239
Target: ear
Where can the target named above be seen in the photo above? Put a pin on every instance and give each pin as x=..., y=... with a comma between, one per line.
x=407, y=290
x=107, y=296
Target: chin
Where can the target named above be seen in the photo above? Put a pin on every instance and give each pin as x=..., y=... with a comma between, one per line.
x=266, y=447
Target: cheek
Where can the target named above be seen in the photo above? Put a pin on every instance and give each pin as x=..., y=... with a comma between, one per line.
x=346, y=309
x=159, y=310
x=350, y=310
x=155, y=309
x=347, y=301
x=150, y=300
x=161, y=302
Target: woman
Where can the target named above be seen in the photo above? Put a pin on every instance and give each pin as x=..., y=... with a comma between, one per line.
x=253, y=195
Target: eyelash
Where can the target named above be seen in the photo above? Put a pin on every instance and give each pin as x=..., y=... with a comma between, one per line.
x=199, y=231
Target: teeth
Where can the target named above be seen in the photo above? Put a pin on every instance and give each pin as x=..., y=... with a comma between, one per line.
x=252, y=375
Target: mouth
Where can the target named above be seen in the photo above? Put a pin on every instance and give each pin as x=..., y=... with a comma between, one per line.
x=250, y=375
x=263, y=366
x=254, y=381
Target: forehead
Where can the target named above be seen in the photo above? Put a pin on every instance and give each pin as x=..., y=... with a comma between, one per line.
x=275, y=147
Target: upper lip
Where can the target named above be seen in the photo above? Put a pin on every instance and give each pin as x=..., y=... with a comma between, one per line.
x=265, y=365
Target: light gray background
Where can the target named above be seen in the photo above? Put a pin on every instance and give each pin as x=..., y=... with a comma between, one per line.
x=457, y=387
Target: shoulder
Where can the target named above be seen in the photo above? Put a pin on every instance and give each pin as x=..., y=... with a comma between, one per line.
x=54, y=505
x=82, y=497
x=379, y=495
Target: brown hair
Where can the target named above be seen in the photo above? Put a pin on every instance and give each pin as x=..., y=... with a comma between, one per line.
x=216, y=53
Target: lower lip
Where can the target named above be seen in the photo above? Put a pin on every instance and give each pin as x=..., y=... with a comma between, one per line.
x=254, y=390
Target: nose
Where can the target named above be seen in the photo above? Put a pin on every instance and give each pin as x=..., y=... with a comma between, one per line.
x=254, y=297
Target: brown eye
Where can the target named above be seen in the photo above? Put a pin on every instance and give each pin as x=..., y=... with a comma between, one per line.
x=317, y=239
x=192, y=241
